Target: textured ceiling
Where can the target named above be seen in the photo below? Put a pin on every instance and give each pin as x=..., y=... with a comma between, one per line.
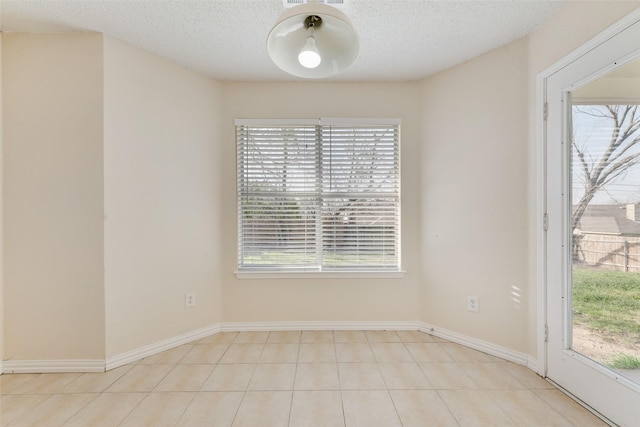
x=226, y=39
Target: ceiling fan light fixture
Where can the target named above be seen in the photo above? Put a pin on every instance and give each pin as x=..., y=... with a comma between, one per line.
x=313, y=40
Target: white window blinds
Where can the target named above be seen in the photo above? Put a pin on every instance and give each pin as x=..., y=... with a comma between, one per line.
x=318, y=196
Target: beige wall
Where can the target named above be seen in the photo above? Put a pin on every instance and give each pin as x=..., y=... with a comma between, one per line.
x=53, y=199
x=248, y=300
x=474, y=197
x=110, y=198
x=162, y=202
x=135, y=175
x=1, y=218
x=479, y=180
x=609, y=89
x=571, y=27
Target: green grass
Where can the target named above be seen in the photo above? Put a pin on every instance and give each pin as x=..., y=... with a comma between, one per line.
x=608, y=302
x=624, y=361
x=331, y=259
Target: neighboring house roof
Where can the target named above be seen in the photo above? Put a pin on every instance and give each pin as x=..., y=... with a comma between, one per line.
x=608, y=219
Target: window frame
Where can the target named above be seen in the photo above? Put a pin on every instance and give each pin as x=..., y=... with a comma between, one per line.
x=350, y=272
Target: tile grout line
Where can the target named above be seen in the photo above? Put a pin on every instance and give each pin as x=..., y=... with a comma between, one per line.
x=246, y=389
x=395, y=408
x=195, y=393
x=134, y=408
x=461, y=358
x=447, y=406
x=49, y=396
x=293, y=386
x=341, y=390
x=147, y=393
x=105, y=391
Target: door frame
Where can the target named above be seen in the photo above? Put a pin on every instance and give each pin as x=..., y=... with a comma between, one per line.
x=589, y=48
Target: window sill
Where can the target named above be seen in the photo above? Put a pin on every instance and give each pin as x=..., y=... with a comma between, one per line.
x=373, y=274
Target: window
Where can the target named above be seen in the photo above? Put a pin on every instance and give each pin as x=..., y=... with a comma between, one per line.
x=318, y=196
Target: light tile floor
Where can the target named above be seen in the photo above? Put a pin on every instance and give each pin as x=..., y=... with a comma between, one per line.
x=319, y=379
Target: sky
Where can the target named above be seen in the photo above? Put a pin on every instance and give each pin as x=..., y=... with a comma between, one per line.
x=592, y=135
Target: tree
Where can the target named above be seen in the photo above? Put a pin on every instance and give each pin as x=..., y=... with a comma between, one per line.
x=621, y=151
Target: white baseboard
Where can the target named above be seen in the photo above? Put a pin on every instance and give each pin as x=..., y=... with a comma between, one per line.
x=320, y=326
x=46, y=366
x=532, y=363
x=52, y=366
x=160, y=346
x=483, y=346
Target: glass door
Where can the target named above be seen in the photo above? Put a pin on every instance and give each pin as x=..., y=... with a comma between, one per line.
x=593, y=237
x=605, y=221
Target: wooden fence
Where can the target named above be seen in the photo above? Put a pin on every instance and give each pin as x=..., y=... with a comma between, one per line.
x=616, y=253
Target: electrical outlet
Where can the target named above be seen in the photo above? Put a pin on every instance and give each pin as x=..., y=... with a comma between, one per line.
x=190, y=299
x=473, y=303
